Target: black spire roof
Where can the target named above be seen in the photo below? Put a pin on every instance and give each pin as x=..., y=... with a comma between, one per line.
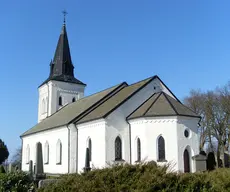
x=61, y=67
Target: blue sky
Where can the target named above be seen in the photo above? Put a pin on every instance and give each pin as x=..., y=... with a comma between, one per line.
x=185, y=43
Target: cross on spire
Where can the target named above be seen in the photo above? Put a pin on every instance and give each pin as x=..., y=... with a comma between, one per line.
x=64, y=13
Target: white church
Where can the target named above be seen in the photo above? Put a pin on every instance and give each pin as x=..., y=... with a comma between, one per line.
x=128, y=123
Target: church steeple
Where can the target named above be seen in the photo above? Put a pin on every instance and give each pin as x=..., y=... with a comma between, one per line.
x=62, y=63
x=61, y=67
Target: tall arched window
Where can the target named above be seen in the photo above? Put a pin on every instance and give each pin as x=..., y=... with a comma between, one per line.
x=73, y=100
x=161, y=149
x=43, y=106
x=60, y=101
x=59, y=152
x=138, y=149
x=186, y=161
x=27, y=154
x=90, y=149
x=46, y=153
x=46, y=106
x=118, y=148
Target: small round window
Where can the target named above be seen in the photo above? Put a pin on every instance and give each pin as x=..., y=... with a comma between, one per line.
x=186, y=133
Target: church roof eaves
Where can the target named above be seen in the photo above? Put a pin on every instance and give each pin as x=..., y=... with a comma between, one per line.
x=114, y=102
x=159, y=105
x=66, y=114
x=63, y=79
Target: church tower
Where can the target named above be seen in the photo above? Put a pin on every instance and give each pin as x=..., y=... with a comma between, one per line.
x=61, y=87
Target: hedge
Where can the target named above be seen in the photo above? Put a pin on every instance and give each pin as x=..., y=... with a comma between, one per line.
x=141, y=178
x=16, y=182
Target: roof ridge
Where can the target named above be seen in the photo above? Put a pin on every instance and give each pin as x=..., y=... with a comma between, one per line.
x=170, y=103
x=153, y=103
x=101, y=101
x=151, y=77
x=141, y=87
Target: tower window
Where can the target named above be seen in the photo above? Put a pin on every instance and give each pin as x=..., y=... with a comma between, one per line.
x=60, y=101
x=73, y=100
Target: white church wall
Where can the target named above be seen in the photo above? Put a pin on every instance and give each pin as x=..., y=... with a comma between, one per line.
x=161, y=86
x=43, y=96
x=116, y=124
x=52, y=136
x=191, y=143
x=55, y=89
x=95, y=130
x=149, y=130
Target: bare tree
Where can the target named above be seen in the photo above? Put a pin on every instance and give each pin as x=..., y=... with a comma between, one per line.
x=17, y=157
x=214, y=108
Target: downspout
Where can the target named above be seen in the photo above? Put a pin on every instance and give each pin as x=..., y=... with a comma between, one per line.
x=68, y=149
x=48, y=100
x=77, y=150
x=130, y=145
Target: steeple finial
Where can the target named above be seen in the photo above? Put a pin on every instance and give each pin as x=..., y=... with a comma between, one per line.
x=64, y=13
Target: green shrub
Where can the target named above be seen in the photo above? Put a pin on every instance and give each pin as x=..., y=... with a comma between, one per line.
x=145, y=177
x=16, y=182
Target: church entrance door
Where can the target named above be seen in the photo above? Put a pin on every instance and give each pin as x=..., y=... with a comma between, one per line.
x=186, y=161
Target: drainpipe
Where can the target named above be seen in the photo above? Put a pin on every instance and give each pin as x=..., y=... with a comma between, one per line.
x=76, y=150
x=48, y=100
x=130, y=145
x=68, y=149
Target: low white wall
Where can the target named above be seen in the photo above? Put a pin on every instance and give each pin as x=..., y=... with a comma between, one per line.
x=52, y=137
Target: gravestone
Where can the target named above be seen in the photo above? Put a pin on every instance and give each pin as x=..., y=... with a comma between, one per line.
x=31, y=167
x=87, y=161
x=211, y=162
x=10, y=168
x=200, y=162
x=39, y=171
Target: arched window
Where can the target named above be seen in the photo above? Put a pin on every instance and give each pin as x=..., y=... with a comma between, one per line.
x=59, y=152
x=118, y=148
x=90, y=149
x=46, y=153
x=138, y=149
x=46, y=106
x=43, y=106
x=186, y=161
x=60, y=101
x=27, y=154
x=73, y=100
x=161, y=149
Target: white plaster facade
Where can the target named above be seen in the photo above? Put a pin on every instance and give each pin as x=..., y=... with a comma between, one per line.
x=52, y=136
x=50, y=92
x=172, y=130
x=103, y=132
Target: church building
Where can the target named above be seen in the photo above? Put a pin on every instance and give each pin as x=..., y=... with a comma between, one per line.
x=131, y=123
